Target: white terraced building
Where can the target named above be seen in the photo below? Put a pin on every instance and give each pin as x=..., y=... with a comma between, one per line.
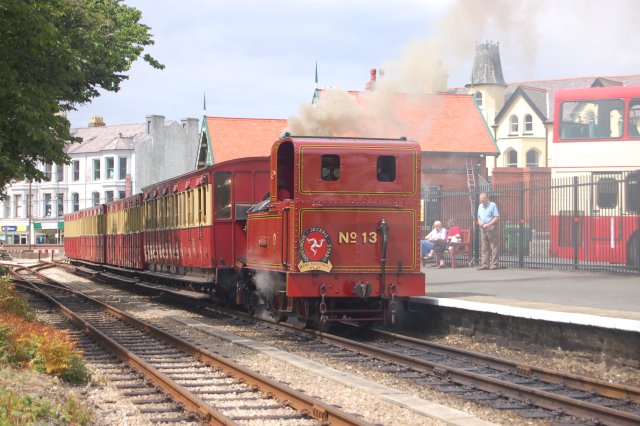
x=111, y=162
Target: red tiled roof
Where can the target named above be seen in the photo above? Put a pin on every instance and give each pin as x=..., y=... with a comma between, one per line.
x=232, y=138
x=440, y=123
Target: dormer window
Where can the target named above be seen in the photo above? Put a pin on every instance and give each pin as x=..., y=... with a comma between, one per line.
x=513, y=125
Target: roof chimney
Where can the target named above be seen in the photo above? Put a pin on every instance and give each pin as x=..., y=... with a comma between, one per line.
x=371, y=84
x=96, y=121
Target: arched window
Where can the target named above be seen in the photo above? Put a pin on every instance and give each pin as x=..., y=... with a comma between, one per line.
x=511, y=158
x=477, y=96
x=513, y=125
x=528, y=124
x=533, y=158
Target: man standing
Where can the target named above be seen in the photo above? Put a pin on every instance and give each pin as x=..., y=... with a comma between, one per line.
x=488, y=215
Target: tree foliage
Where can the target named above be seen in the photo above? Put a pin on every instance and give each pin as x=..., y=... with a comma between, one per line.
x=57, y=54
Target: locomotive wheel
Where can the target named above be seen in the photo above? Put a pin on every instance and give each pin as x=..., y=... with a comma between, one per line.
x=275, y=307
x=304, y=312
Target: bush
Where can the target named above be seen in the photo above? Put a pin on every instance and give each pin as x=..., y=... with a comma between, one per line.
x=10, y=301
x=24, y=409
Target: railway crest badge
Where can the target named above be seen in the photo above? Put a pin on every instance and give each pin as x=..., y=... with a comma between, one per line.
x=315, y=248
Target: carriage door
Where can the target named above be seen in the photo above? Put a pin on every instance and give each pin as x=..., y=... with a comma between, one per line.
x=605, y=228
x=286, y=191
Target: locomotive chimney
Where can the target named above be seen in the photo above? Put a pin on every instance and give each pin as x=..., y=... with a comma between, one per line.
x=371, y=84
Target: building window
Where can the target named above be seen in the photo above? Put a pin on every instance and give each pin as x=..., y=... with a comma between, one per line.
x=46, y=204
x=511, y=158
x=121, y=194
x=111, y=172
x=386, y=168
x=95, y=198
x=122, y=170
x=477, y=96
x=76, y=170
x=75, y=197
x=59, y=172
x=60, y=205
x=513, y=125
x=18, y=205
x=528, y=124
x=330, y=167
x=96, y=169
x=47, y=172
x=532, y=158
x=108, y=195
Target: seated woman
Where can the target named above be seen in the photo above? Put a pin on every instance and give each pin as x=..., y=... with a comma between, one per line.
x=454, y=231
x=435, y=243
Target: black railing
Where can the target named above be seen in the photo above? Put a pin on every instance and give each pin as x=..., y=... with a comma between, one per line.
x=589, y=223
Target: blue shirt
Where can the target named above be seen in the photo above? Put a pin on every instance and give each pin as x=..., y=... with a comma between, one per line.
x=488, y=212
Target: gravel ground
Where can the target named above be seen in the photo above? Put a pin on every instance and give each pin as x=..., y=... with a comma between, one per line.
x=371, y=407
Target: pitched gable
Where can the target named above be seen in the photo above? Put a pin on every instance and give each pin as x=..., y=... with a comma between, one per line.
x=225, y=138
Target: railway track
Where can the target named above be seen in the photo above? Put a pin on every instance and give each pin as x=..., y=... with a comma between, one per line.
x=530, y=391
x=194, y=378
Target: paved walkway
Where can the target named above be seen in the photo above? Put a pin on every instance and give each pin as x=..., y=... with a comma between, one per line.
x=583, y=293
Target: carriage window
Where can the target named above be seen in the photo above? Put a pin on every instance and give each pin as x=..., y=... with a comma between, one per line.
x=330, y=167
x=222, y=195
x=597, y=119
x=632, y=192
x=607, y=196
x=634, y=118
x=386, y=168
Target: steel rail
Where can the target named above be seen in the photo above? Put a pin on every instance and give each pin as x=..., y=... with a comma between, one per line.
x=540, y=398
x=325, y=413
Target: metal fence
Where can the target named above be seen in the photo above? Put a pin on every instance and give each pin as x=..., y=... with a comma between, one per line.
x=589, y=223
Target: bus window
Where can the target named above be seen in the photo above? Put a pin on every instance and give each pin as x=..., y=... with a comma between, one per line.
x=632, y=192
x=222, y=195
x=607, y=195
x=634, y=118
x=596, y=119
x=330, y=167
x=386, y=168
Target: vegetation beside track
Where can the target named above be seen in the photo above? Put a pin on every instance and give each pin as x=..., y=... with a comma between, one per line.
x=26, y=344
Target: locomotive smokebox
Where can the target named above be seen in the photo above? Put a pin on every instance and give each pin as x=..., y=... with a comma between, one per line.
x=362, y=290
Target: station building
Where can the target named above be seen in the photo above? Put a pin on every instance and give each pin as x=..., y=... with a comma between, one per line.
x=110, y=163
x=520, y=114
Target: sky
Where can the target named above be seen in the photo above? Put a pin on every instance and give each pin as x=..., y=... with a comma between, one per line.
x=257, y=58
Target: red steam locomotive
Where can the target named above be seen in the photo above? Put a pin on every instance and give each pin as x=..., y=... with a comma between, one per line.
x=325, y=230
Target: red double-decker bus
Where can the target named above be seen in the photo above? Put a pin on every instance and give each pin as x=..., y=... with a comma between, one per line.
x=595, y=159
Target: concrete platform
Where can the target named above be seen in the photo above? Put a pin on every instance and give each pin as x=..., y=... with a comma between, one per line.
x=597, y=312
x=600, y=294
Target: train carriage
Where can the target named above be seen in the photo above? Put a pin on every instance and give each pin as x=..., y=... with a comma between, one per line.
x=85, y=234
x=194, y=223
x=340, y=234
x=123, y=240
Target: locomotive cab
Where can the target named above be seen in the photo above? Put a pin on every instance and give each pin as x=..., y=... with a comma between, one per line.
x=340, y=236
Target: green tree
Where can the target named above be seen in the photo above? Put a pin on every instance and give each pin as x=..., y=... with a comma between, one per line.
x=55, y=55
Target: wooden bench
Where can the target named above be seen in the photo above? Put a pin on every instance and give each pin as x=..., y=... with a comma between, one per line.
x=462, y=248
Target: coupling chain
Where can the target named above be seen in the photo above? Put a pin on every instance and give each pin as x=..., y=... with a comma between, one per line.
x=323, y=304
x=393, y=306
